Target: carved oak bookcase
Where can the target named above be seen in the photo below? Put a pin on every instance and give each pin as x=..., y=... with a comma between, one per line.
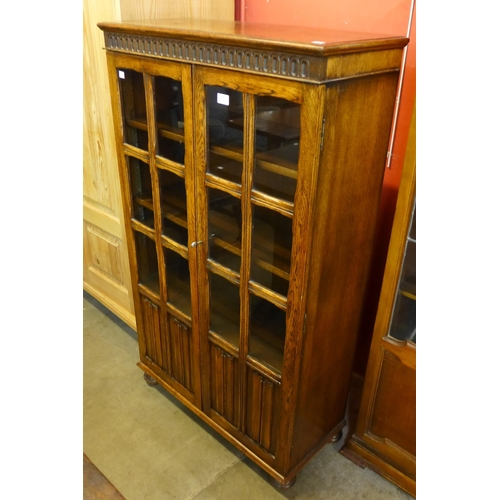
x=251, y=163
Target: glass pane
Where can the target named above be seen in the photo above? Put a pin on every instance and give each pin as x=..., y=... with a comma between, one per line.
x=403, y=325
x=170, y=118
x=267, y=332
x=147, y=262
x=173, y=207
x=142, y=198
x=178, y=284
x=225, y=133
x=271, y=249
x=277, y=137
x=224, y=229
x=133, y=99
x=224, y=308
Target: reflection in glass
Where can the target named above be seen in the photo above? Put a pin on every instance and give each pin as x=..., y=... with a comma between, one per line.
x=225, y=133
x=173, y=206
x=271, y=249
x=267, y=332
x=178, y=284
x=224, y=229
x=277, y=136
x=133, y=100
x=403, y=324
x=147, y=262
x=142, y=198
x=170, y=118
x=224, y=308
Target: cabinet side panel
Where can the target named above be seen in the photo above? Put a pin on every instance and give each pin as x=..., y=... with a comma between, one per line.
x=356, y=138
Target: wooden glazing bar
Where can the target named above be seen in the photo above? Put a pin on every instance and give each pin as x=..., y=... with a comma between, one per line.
x=155, y=184
x=172, y=166
x=150, y=294
x=140, y=154
x=223, y=271
x=212, y=181
x=275, y=298
x=264, y=370
x=141, y=228
x=281, y=206
x=177, y=313
x=221, y=342
x=176, y=247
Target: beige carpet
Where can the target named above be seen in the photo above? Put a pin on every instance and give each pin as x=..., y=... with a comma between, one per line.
x=151, y=448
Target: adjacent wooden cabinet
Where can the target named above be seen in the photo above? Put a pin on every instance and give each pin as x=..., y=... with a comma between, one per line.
x=385, y=434
x=251, y=164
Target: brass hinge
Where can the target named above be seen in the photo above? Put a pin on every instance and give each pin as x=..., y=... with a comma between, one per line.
x=322, y=133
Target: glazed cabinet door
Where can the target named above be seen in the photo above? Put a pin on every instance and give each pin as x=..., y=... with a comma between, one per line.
x=154, y=102
x=256, y=150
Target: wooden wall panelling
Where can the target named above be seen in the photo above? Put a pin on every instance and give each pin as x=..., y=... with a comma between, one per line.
x=132, y=10
x=106, y=274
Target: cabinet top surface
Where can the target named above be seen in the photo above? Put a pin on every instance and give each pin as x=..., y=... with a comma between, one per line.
x=317, y=41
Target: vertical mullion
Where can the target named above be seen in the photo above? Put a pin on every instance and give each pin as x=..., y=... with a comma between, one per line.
x=200, y=147
x=152, y=141
x=246, y=244
x=191, y=187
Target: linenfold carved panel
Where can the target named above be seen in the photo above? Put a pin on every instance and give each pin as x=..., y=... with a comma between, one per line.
x=267, y=62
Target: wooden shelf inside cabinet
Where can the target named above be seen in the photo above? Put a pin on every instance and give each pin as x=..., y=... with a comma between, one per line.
x=408, y=287
x=282, y=124
x=175, y=210
x=139, y=123
x=164, y=130
x=282, y=161
x=270, y=238
x=171, y=132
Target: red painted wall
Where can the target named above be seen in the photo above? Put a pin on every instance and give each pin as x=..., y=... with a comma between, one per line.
x=390, y=17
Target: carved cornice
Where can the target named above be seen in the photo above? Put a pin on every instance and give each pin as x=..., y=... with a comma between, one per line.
x=245, y=59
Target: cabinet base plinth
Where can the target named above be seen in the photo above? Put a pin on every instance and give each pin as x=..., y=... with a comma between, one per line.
x=337, y=437
x=150, y=380
x=282, y=486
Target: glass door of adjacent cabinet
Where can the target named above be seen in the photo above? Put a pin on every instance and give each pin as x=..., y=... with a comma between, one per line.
x=403, y=324
x=159, y=174
x=247, y=178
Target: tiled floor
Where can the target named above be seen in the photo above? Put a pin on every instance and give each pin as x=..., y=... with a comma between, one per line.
x=95, y=485
x=152, y=448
